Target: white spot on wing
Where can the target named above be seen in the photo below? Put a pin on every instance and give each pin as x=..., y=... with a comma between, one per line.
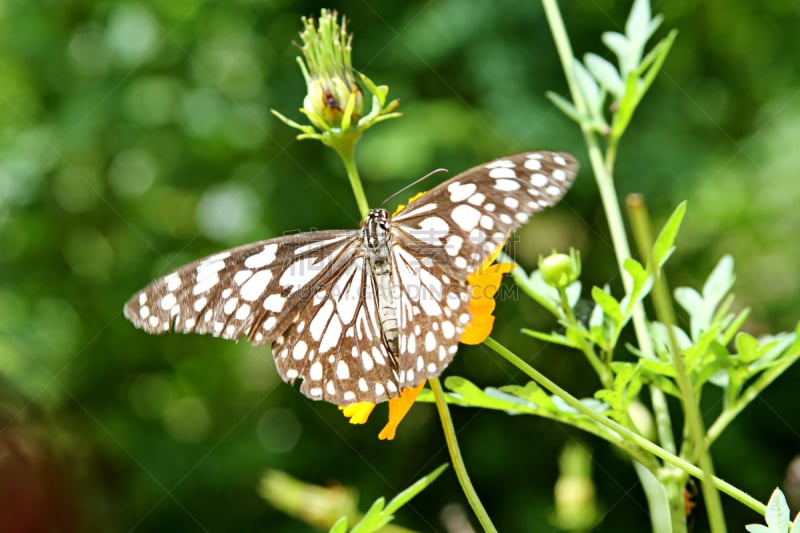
x=460, y=192
x=262, y=258
x=465, y=216
x=256, y=285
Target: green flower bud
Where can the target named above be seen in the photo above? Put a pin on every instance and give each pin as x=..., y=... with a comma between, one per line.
x=560, y=270
x=574, y=492
x=334, y=100
x=328, y=70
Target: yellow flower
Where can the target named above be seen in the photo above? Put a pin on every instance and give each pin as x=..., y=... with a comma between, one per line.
x=483, y=285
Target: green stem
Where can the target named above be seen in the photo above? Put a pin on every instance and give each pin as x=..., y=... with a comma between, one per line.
x=600, y=369
x=691, y=408
x=458, y=460
x=346, y=148
x=603, y=171
x=632, y=436
x=763, y=381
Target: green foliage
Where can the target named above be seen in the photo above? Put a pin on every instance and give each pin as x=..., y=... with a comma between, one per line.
x=136, y=137
x=381, y=513
x=777, y=517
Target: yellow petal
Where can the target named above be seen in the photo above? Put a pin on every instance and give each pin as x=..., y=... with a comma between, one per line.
x=398, y=408
x=484, y=284
x=358, y=413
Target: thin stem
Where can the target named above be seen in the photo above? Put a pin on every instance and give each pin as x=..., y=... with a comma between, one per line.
x=346, y=148
x=666, y=314
x=637, y=439
x=458, y=460
x=761, y=383
x=603, y=171
x=602, y=371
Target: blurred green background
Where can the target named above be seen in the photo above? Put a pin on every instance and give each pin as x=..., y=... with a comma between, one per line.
x=136, y=136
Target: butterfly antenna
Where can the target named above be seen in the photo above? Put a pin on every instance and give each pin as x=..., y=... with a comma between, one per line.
x=410, y=185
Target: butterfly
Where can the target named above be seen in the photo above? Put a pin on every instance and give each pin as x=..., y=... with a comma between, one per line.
x=359, y=315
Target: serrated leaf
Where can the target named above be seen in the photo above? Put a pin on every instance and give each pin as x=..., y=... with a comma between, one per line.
x=418, y=486
x=666, y=238
x=605, y=73
x=610, y=306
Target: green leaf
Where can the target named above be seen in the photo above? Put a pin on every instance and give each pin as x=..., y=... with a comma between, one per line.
x=566, y=107
x=340, y=526
x=372, y=520
x=638, y=22
x=777, y=516
x=747, y=347
x=532, y=393
x=665, y=242
x=610, y=306
x=553, y=338
x=620, y=45
x=642, y=283
x=719, y=282
x=474, y=396
x=588, y=88
x=605, y=73
x=404, y=497
x=653, y=61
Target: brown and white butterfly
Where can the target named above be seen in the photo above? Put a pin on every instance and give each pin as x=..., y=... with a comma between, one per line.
x=360, y=314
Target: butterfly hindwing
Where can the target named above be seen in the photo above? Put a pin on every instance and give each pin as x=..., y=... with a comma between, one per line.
x=335, y=344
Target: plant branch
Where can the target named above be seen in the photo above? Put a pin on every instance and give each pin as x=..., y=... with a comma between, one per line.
x=634, y=437
x=666, y=314
x=458, y=460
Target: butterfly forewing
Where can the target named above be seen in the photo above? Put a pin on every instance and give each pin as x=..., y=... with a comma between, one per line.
x=246, y=291
x=472, y=214
x=315, y=297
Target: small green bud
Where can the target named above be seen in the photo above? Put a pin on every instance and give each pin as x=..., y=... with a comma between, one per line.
x=334, y=100
x=574, y=492
x=560, y=270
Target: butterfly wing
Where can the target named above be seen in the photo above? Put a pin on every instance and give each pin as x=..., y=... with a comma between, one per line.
x=335, y=342
x=432, y=310
x=470, y=215
x=251, y=291
x=448, y=233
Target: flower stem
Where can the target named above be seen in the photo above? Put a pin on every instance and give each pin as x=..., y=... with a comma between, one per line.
x=458, y=460
x=632, y=436
x=346, y=148
x=691, y=408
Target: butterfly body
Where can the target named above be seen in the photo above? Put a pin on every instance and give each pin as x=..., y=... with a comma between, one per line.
x=359, y=315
